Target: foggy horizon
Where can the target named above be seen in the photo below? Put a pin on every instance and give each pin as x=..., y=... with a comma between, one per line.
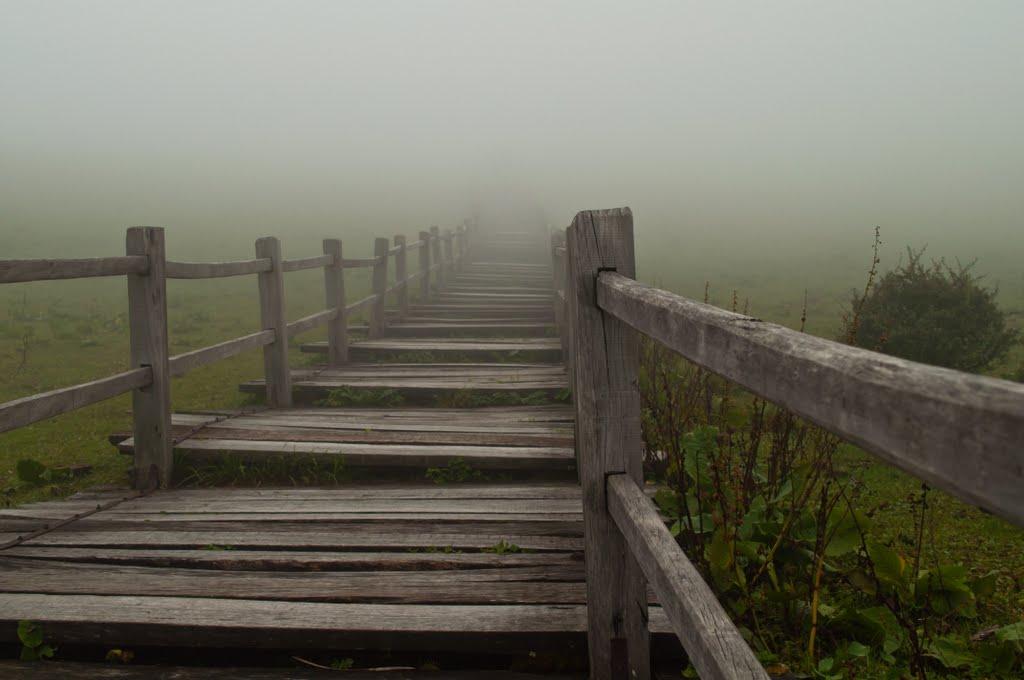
x=753, y=128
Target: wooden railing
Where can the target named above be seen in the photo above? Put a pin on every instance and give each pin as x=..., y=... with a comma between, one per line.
x=147, y=268
x=960, y=433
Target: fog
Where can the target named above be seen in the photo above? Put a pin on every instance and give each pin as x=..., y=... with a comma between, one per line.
x=745, y=129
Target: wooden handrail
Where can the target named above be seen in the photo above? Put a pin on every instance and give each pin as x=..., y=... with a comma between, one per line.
x=215, y=270
x=314, y=262
x=23, y=271
x=922, y=419
x=186, y=361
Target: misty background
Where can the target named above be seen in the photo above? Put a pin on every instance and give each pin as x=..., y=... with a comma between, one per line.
x=743, y=135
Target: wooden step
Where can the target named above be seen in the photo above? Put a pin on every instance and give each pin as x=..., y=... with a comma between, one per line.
x=466, y=328
x=451, y=349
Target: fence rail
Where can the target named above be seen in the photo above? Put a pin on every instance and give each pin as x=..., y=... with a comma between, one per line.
x=148, y=270
x=961, y=433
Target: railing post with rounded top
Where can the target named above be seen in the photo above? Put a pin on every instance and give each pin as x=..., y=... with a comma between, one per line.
x=401, y=273
x=435, y=256
x=424, y=266
x=147, y=321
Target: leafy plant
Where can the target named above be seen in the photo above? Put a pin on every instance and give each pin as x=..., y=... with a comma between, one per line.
x=457, y=470
x=30, y=634
x=351, y=396
x=502, y=548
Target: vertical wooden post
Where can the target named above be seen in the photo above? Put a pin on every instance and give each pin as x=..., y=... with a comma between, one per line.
x=607, y=440
x=558, y=276
x=147, y=320
x=334, y=290
x=449, y=256
x=380, y=285
x=435, y=256
x=272, y=317
x=460, y=242
x=401, y=272
x=425, y=266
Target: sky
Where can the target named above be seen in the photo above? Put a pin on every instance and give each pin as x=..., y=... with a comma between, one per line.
x=744, y=125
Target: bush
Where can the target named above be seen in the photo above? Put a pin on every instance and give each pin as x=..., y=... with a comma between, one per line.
x=937, y=314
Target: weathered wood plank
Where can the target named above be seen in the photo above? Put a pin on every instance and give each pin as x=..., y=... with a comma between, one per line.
x=401, y=275
x=186, y=361
x=424, y=264
x=360, y=305
x=147, y=323
x=607, y=440
x=28, y=410
x=360, y=263
x=216, y=270
x=334, y=297
x=379, y=286
x=278, y=389
x=19, y=271
x=923, y=419
x=712, y=642
x=93, y=671
x=308, y=323
x=314, y=262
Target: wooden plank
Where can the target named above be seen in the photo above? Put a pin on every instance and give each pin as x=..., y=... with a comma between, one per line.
x=712, y=642
x=471, y=506
x=147, y=322
x=385, y=455
x=360, y=305
x=303, y=560
x=470, y=586
x=63, y=670
x=314, y=262
x=379, y=286
x=607, y=439
x=923, y=419
x=278, y=390
x=334, y=297
x=216, y=270
x=436, y=257
x=424, y=264
x=19, y=271
x=308, y=323
x=182, y=363
x=360, y=263
x=401, y=275
x=28, y=410
x=127, y=621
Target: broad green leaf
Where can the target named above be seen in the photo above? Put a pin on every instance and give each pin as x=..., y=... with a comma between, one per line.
x=951, y=652
x=1013, y=632
x=985, y=586
x=890, y=567
x=857, y=649
x=31, y=471
x=30, y=633
x=845, y=531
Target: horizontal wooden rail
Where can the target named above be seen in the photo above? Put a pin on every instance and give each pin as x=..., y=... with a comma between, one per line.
x=308, y=323
x=21, y=271
x=361, y=304
x=713, y=644
x=182, y=363
x=38, y=407
x=961, y=433
x=394, y=250
x=415, y=244
x=315, y=262
x=215, y=270
x=361, y=263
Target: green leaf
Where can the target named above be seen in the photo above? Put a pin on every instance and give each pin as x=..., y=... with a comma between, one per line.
x=825, y=665
x=30, y=633
x=1013, y=632
x=857, y=649
x=668, y=502
x=985, y=586
x=889, y=565
x=845, y=530
x=951, y=652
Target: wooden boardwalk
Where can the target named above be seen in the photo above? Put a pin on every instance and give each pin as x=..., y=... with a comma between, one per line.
x=410, y=567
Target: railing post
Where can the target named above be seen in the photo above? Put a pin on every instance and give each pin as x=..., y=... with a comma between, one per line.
x=334, y=290
x=467, y=237
x=435, y=256
x=272, y=317
x=608, y=441
x=425, y=266
x=380, y=285
x=449, y=256
x=460, y=244
x=401, y=272
x=147, y=320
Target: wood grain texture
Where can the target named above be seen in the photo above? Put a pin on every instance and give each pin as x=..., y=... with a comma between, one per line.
x=401, y=276
x=180, y=364
x=147, y=321
x=607, y=439
x=960, y=433
x=313, y=262
x=216, y=270
x=379, y=286
x=712, y=642
x=28, y=410
x=278, y=388
x=424, y=265
x=334, y=298
x=18, y=271
x=436, y=258
x=308, y=323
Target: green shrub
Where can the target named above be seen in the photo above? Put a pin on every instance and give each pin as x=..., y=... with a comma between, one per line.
x=937, y=314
